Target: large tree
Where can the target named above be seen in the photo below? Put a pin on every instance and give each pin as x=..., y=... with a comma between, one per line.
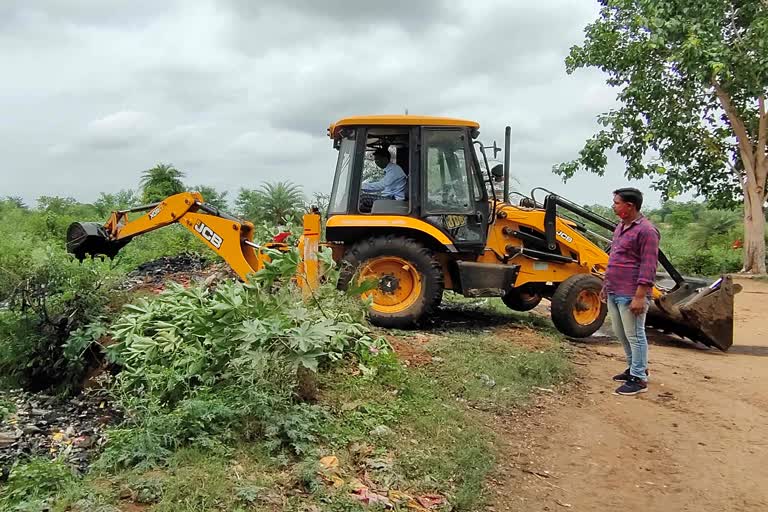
x=276, y=203
x=161, y=181
x=692, y=80
x=122, y=200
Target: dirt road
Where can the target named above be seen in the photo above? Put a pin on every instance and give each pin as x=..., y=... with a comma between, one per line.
x=697, y=441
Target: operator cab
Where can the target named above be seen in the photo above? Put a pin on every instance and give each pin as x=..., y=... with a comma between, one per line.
x=443, y=186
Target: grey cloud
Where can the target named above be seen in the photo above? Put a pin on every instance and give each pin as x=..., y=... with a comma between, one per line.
x=191, y=89
x=239, y=92
x=346, y=16
x=260, y=28
x=87, y=12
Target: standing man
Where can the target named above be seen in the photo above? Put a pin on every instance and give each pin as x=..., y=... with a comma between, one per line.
x=628, y=283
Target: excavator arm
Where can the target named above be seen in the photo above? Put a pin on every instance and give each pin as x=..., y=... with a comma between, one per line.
x=228, y=236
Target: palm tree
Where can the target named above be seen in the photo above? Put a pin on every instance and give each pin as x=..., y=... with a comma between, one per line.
x=161, y=181
x=276, y=203
x=711, y=228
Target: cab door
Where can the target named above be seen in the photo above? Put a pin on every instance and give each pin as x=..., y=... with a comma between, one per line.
x=452, y=197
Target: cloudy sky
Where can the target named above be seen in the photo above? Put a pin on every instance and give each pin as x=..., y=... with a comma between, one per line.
x=237, y=92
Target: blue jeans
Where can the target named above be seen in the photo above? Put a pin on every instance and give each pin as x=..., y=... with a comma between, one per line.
x=630, y=329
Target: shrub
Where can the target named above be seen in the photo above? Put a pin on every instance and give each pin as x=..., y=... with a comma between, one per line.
x=50, y=296
x=45, y=295
x=32, y=483
x=203, y=366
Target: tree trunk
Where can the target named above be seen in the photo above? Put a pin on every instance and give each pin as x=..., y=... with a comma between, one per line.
x=754, y=226
x=755, y=173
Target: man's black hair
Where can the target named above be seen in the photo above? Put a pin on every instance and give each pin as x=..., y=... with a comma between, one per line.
x=630, y=195
x=382, y=152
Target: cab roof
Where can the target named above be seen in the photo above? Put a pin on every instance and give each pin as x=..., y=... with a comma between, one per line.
x=400, y=120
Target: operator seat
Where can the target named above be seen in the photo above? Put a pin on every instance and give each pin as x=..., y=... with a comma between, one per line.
x=389, y=207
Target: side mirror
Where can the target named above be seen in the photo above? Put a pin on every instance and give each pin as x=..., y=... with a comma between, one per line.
x=497, y=171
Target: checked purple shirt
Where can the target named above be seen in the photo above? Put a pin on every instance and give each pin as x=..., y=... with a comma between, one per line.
x=633, y=258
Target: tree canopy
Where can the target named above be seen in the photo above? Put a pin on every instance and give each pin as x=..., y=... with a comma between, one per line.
x=213, y=196
x=161, y=181
x=276, y=203
x=692, y=80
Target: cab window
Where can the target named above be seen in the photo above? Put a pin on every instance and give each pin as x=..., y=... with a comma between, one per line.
x=340, y=192
x=447, y=184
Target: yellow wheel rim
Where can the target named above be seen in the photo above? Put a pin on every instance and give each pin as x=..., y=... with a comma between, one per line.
x=399, y=284
x=587, y=307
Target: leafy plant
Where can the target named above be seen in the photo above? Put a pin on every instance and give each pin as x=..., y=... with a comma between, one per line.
x=51, y=295
x=203, y=366
x=31, y=484
x=212, y=196
x=6, y=409
x=276, y=203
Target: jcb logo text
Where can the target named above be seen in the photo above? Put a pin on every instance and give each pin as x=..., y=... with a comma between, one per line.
x=208, y=234
x=154, y=212
x=568, y=238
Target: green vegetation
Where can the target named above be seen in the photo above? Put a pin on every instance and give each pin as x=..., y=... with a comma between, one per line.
x=697, y=238
x=161, y=181
x=31, y=484
x=413, y=427
x=6, y=409
x=45, y=296
x=234, y=396
x=274, y=203
x=248, y=397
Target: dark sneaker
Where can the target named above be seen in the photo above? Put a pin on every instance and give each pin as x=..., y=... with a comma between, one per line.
x=625, y=375
x=633, y=386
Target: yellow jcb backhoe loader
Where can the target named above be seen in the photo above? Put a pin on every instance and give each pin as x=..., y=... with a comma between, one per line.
x=451, y=232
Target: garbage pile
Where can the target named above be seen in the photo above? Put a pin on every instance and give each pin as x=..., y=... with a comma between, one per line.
x=182, y=269
x=40, y=425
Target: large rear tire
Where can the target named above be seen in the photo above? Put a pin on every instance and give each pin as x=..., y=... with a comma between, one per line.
x=410, y=279
x=577, y=310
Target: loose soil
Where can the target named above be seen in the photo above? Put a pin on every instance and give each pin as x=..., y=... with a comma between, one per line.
x=697, y=441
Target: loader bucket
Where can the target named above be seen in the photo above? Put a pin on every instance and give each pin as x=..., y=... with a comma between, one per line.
x=91, y=239
x=703, y=314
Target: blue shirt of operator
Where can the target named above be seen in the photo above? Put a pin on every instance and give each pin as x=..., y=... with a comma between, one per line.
x=392, y=185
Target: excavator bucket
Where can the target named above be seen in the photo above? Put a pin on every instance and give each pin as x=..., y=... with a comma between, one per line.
x=91, y=239
x=699, y=313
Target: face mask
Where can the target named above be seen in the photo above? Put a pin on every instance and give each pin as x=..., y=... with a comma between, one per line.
x=623, y=212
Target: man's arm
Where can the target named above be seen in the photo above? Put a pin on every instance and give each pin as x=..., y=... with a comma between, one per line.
x=375, y=186
x=382, y=184
x=649, y=261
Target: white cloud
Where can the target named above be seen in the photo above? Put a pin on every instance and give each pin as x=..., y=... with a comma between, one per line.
x=61, y=149
x=118, y=130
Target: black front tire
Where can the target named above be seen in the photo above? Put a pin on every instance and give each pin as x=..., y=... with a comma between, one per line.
x=420, y=257
x=577, y=294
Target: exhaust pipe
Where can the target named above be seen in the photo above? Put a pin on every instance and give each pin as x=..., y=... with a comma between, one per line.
x=507, y=142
